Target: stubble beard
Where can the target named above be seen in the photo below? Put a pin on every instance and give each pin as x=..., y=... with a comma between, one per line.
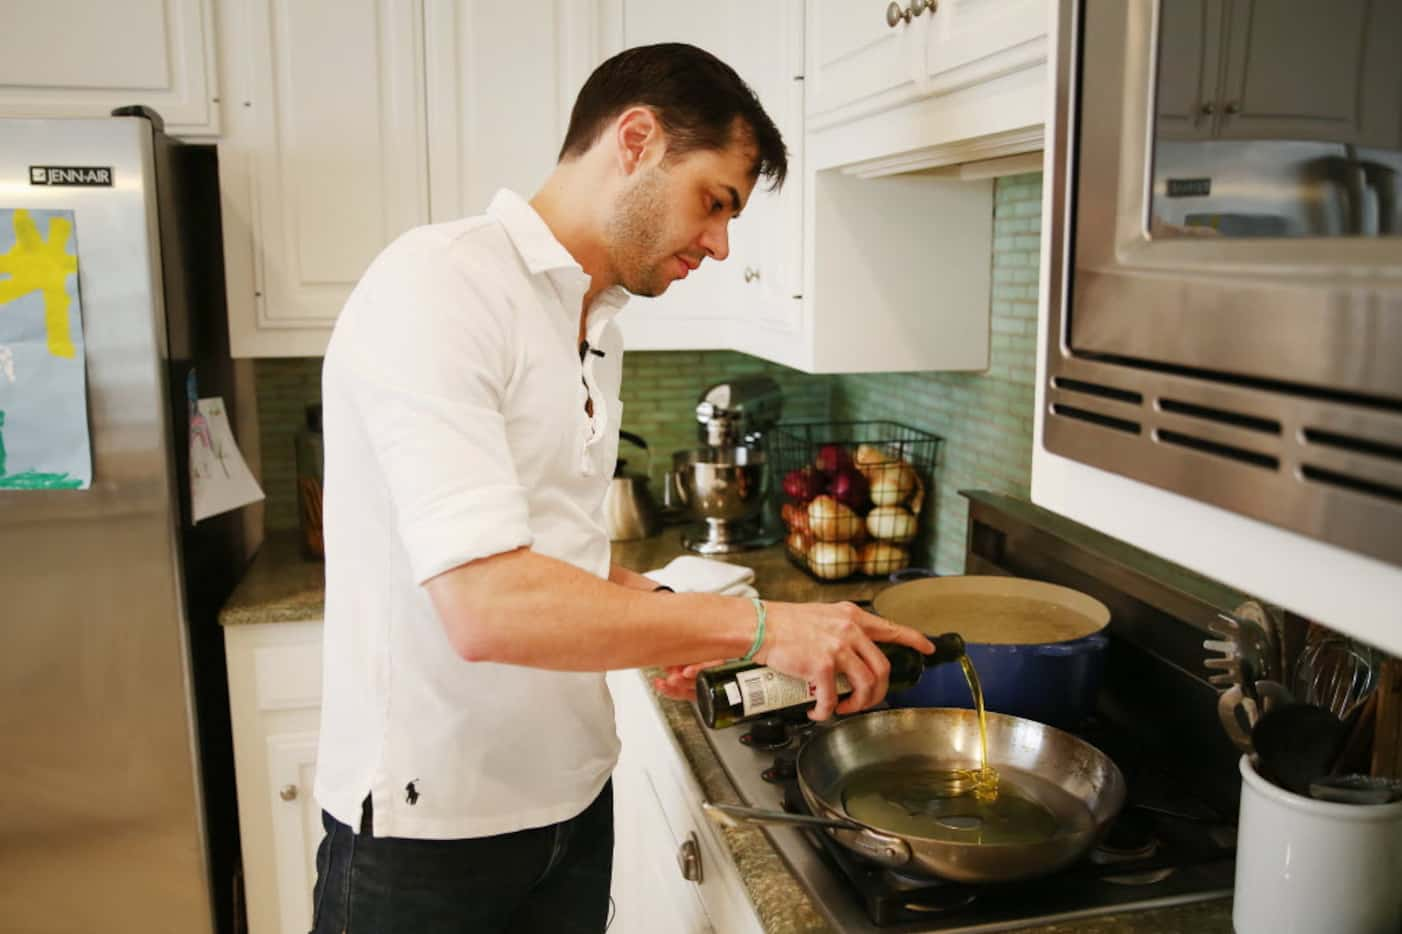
x=635, y=235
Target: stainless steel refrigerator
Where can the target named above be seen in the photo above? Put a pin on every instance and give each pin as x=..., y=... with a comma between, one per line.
x=117, y=809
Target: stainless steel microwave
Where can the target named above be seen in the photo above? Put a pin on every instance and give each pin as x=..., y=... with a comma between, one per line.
x=1224, y=271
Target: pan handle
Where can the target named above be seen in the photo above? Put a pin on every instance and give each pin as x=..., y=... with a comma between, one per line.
x=884, y=848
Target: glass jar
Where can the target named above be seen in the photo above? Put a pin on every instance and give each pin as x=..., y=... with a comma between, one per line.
x=309, y=477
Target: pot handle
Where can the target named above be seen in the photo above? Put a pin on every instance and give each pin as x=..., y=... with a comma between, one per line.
x=1086, y=645
x=884, y=848
x=637, y=440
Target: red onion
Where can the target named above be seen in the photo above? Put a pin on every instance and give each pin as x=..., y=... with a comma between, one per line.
x=850, y=488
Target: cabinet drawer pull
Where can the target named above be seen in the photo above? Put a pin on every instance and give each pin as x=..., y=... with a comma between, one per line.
x=689, y=858
x=751, y=274
x=288, y=792
x=894, y=14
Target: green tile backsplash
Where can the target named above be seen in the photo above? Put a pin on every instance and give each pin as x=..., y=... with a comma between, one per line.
x=985, y=418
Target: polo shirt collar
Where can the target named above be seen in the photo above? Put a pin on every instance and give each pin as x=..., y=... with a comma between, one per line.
x=538, y=247
x=543, y=253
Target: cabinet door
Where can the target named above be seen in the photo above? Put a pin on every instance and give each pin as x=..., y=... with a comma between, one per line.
x=647, y=881
x=1190, y=45
x=854, y=56
x=1303, y=70
x=751, y=300
x=984, y=38
x=296, y=824
x=76, y=58
x=324, y=162
x=481, y=139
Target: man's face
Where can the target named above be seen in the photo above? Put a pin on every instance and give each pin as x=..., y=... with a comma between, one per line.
x=675, y=214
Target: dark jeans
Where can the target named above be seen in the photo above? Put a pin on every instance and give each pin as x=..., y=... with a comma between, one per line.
x=553, y=878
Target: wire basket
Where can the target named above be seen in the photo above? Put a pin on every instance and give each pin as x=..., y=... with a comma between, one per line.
x=853, y=494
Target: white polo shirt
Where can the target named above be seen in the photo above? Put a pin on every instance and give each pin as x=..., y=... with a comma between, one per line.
x=455, y=428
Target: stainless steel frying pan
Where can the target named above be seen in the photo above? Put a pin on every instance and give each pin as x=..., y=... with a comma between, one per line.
x=1075, y=776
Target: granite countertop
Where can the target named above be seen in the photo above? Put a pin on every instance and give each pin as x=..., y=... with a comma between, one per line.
x=281, y=585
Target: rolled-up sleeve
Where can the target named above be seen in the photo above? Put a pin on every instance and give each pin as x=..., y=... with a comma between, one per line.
x=420, y=364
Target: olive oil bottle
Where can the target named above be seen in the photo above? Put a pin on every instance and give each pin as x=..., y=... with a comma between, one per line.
x=739, y=691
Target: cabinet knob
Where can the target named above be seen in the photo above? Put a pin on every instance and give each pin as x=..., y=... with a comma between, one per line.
x=689, y=858
x=1233, y=107
x=751, y=274
x=288, y=792
x=920, y=6
x=894, y=14
x=1208, y=109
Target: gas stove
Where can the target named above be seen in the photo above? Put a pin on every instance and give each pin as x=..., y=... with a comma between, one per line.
x=1174, y=840
x=1165, y=848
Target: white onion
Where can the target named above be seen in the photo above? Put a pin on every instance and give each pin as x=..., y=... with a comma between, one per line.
x=830, y=521
x=891, y=523
x=880, y=558
x=891, y=483
x=831, y=560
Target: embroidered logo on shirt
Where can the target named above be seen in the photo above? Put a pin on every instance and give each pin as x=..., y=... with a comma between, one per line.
x=411, y=794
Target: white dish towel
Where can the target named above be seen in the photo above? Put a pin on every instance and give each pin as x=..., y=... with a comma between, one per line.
x=694, y=574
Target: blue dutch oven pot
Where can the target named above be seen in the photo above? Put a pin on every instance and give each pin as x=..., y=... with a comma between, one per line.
x=1053, y=682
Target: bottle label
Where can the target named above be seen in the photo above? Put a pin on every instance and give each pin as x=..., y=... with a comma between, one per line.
x=764, y=689
x=732, y=693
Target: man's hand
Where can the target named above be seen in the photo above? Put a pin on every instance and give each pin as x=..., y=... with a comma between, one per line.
x=679, y=681
x=818, y=641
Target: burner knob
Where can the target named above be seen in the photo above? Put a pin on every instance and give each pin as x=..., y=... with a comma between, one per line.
x=784, y=768
x=771, y=731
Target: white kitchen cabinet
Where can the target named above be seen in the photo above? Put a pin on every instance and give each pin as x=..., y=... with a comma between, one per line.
x=1281, y=69
x=660, y=828
x=751, y=301
x=502, y=79
x=324, y=159
x=75, y=58
x=949, y=82
x=275, y=709
x=353, y=122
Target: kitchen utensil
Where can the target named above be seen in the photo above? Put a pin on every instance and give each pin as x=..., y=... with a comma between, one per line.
x=916, y=740
x=1033, y=674
x=629, y=510
x=1247, y=649
x=1387, y=731
x=1335, y=672
x=1296, y=744
x=1356, y=789
x=1307, y=865
x=1239, y=714
x=724, y=488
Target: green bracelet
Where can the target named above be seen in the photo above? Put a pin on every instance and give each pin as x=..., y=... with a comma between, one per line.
x=759, y=630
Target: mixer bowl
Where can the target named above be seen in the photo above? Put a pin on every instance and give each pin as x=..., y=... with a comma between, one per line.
x=725, y=484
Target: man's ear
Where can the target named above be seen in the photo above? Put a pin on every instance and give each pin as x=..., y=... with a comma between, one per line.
x=638, y=138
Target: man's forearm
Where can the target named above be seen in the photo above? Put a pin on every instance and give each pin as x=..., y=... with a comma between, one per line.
x=522, y=608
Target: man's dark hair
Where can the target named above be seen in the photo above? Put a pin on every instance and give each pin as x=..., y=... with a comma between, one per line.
x=696, y=98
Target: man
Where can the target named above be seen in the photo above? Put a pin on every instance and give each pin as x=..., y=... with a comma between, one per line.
x=471, y=415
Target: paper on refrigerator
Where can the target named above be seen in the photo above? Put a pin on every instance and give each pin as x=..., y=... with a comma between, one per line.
x=219, y=478
x=44, y=443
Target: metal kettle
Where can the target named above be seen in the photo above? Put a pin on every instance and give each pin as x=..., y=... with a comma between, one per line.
x=629, y=510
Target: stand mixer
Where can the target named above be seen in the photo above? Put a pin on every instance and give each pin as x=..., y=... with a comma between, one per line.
x=724, y=484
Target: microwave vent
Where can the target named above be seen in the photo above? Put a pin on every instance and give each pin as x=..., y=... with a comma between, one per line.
x=1268, y=426
x=1096, y=418
x=1098, y=389
x=1217, y=448
x=1285, y=459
